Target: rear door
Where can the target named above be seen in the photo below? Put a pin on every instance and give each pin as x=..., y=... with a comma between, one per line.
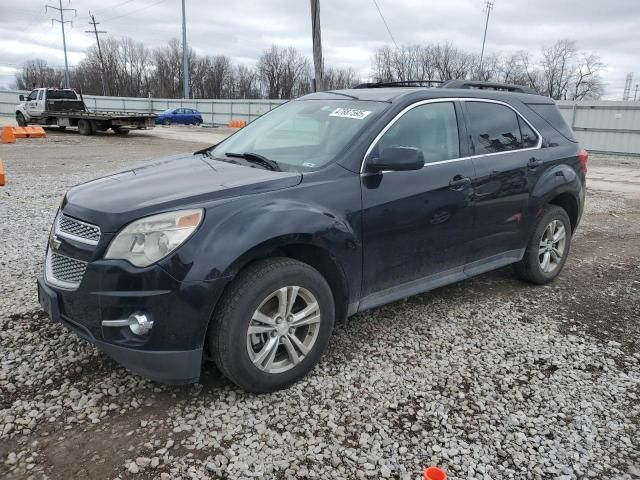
x=417, y=224
x=504, y=148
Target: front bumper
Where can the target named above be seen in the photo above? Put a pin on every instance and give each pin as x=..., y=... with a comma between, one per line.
x=172, y=351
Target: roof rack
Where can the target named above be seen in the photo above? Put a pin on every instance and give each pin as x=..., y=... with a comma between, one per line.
x=463, y=84
x=474, y=84
x=400, y=83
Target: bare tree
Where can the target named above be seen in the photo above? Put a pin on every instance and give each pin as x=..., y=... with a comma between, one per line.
x=284, y=72
x=340, y=78
x=587, y=83
x=37, y=73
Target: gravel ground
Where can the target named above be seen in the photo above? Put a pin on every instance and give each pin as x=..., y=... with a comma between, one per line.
x=489, y=378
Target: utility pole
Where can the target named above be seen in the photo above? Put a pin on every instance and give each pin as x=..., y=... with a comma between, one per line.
x=96, y=32
x=318, y=64
x=64, y=39
x=488, y=8
x=626, y=96
x=185, y=58
x=635, y=95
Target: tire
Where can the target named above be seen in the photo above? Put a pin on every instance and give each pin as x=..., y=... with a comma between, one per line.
x=20, y=120
x=166, y=122
x=62, y=127
x=254, y=290
x=542, y=245
x=85, y=127
x=120, y=131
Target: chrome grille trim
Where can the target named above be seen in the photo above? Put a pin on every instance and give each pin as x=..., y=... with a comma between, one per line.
x=64, y=272
x=83, y=232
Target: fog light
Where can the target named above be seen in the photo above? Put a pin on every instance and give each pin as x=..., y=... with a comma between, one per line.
x=137, y=322
x=140, y=324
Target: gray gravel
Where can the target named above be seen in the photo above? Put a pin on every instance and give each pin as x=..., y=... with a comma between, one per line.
x=489, y=379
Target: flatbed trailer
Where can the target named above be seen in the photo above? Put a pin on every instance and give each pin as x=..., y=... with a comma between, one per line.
x=65, y=108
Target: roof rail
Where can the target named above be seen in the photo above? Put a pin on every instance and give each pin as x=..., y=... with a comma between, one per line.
x=474, y=84
x=400, y=83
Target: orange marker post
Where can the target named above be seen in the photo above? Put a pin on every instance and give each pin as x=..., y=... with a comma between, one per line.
x=434, y=473
x=8, y=136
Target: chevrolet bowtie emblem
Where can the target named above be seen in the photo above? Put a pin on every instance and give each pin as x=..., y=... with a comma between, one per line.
x=54, y=243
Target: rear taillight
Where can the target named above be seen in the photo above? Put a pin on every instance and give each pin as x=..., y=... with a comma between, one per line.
x=583, y=156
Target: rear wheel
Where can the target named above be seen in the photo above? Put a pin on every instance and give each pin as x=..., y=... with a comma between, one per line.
x=85, y=127
x=20, y=120
x=120, y=130
x=272, y=325
x=62, y=127
x=548, y=247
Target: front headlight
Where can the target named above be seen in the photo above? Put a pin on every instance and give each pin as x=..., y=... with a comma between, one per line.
x=150, y=239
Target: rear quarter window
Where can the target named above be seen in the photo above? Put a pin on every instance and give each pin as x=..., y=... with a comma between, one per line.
x=550, y=113
x=61, y=95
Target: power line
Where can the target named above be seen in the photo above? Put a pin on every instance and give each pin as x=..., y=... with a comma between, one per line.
x=385, y=23
x=62, y=21
x=134, y=11
x=97, y=32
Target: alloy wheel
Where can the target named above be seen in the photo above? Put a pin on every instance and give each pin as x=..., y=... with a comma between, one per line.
x=283, y=329
x=552, y=246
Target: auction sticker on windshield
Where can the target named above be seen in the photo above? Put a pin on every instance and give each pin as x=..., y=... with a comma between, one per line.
x=350, y=113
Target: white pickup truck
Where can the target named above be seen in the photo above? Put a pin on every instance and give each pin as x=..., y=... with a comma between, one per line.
x=65, y=108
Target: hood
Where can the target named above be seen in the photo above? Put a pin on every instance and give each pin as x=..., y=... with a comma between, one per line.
x=168, y=184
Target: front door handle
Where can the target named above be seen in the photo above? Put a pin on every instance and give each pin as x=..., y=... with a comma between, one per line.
x=459, y=182
x=533, y=163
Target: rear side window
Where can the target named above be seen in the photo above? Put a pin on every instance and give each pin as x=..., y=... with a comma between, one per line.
x=61, y=95
x=433, y=128
x=494, y=128
x=529, y=137
x=552, y=115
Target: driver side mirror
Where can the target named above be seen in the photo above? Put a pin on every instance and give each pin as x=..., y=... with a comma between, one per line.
x=397, y=159
x=21, y=97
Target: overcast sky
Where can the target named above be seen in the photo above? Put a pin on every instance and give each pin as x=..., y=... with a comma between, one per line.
x=351, y=29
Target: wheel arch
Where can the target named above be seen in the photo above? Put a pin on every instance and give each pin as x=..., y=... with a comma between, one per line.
x=302, y=248
x=568, y=202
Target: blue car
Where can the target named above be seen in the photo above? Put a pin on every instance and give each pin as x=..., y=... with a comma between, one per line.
x=184, y=116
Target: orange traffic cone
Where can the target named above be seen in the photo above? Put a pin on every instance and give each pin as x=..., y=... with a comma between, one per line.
x=3, y=177
x=8, y=136
x=434, y=473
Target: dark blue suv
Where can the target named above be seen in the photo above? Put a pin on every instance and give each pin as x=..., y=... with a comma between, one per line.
x=337, y=202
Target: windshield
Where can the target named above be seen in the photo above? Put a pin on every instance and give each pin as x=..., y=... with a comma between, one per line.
x=302, y=135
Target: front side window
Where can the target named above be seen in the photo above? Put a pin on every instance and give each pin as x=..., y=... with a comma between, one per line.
x=33, y=95
x=432, y=128
x=496, y=128
x=303, y=135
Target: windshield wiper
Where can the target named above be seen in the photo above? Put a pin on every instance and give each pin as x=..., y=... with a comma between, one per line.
x=257, y=159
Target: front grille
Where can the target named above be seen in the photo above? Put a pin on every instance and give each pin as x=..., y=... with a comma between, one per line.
x=76, y=228
x=65, y=270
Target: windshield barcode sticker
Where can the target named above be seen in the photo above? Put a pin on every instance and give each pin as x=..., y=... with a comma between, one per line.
x=350, y=113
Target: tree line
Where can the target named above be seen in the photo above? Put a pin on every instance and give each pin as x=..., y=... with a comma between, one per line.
x=561, y=71
x=131, y=69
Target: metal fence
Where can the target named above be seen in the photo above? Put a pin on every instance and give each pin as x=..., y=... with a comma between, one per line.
x=214, y=112
x=605, y=126
x=601, y=126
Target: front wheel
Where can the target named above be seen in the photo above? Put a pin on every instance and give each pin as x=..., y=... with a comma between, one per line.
x=120, y=131
x=548, y=247
x=20, y=120
x=272, y=325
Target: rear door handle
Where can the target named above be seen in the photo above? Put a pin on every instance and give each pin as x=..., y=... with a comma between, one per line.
x=533, y=163
x=459, y=182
